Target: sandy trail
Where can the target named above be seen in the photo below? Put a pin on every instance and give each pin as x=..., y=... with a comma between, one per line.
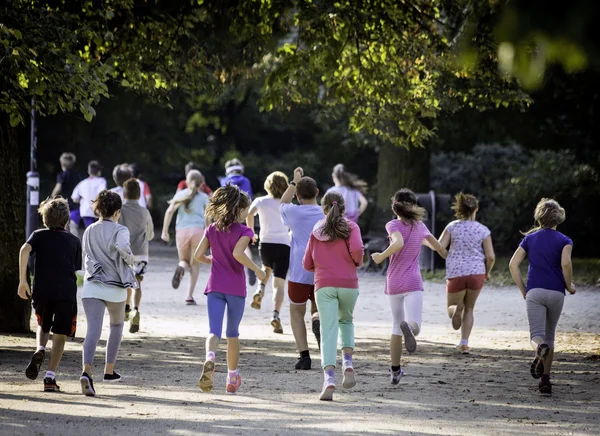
x=488, y=392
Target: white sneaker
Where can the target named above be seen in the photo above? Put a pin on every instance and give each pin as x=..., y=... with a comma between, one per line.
x=395, y=376
x=328, y=388
x=409, y=338
x=349, y=381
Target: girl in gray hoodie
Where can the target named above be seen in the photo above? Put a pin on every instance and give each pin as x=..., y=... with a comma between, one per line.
x=108, y=274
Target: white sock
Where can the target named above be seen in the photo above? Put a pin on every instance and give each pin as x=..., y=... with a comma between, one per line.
x=329, y=376
x=232, y=372
x=40, y=348
x=464, y=342
x=50, y=374
x=184, y=264
x=210, y=356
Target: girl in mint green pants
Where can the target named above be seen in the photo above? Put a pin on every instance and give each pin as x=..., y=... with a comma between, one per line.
x=334, y=252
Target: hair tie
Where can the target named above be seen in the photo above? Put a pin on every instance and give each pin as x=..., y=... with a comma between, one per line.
x=334, y=202
x=396, y=202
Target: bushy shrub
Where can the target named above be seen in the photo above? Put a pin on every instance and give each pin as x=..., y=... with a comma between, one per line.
x=509, y=182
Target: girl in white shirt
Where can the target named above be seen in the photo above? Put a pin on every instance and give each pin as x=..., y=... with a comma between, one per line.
x=274, y=243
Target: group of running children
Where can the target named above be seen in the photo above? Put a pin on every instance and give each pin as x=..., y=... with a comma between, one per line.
x=318, y=248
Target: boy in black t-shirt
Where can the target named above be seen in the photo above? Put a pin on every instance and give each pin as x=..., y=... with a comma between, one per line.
x=57, y=257
x=66, y=181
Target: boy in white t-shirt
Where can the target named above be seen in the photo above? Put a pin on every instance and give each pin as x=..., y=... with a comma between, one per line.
x=87, y=190
x=274, y=243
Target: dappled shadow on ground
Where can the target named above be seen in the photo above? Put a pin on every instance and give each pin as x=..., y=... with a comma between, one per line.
x=160, y=375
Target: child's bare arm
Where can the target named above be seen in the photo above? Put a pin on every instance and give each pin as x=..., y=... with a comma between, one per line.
x=167, y=222
x=200, y=254
x=515, y=271
x=395, y=246
x=240, y=255
x=567, y=268
x=433, y=243
x=24, y=290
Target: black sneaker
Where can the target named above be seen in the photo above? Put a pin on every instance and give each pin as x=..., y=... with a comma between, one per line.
x=87, y=385
x=545, y=387
x=33, y=369
x=251, y=277
x=303, y=363
x=110, y=378
x=537, y=366
x=177, y=276
x=316, y=328
x=50, y=385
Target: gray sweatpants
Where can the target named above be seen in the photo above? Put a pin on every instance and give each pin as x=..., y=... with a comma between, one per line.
x=94, y=313
x=544, y=307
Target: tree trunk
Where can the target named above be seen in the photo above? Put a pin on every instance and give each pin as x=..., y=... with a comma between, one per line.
x=15, y=313
x=401, y=168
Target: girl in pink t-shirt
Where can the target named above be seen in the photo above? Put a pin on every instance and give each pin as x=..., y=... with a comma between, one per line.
x=227, y=239
x=404, y=284
x=470, y=260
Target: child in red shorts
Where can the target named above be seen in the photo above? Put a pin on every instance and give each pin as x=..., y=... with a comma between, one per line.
x=57, y=257
x=470, y=260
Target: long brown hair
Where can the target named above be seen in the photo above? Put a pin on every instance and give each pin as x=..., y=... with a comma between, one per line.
x=336, y=226
x=194, y=180
x=225, y=206
x=348, y=179
x=548, y=214
x=405, y=206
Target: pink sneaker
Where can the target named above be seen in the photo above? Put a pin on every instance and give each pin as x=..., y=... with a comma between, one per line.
x=233, y=383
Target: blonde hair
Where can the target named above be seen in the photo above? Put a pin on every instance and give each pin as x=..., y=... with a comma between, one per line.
x=276, y=184
x=464, y=206
x=225, y=206
x=194, y=180
x=548, y=214
x=336, y=226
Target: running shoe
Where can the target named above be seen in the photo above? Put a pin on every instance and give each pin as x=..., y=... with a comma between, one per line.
x=112, y=378
x=251, y=277
x=257, y=299
x=276, y=323
x=50, y=385
x=463, y=349
x=457, y=319
x=395, y=376
x=304, y=363
x=190, y=301
x=349, y=381
x=537, y=365
x=134, y=327
x=177, y=276
x=87, y=385
x=33, y=369
x=233, y=383
x=127, y=313
x=409, y=338
x=328, y=389
x=545, y=387
x=206, y=379
x=316, y=329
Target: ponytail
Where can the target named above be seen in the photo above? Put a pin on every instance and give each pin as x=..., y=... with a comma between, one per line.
x=194, y=181
x=336, y=226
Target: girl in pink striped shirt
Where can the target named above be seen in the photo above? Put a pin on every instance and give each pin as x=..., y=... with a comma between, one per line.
x=404, y=284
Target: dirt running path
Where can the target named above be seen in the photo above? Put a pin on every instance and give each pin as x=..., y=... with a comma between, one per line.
x=487, y=393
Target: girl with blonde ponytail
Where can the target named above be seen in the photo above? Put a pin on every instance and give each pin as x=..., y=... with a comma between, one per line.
x=189, y=204
x=334, y=251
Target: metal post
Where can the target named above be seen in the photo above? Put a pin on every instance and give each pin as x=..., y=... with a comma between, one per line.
x=432, y=218
x=33, y=180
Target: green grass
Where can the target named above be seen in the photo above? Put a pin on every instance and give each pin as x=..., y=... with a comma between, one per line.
x=586, y=272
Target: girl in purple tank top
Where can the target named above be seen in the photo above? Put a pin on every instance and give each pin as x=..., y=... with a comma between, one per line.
x=227, y=239
x=352, y=189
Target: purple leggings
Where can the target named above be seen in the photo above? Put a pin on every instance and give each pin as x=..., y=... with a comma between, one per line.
x=89, y=220
x=217, y=303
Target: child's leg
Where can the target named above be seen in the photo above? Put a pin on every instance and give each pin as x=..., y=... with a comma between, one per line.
x=58, y=347
x=398, y=316
x=328, y=305
x=215, y=304
x=467, y=315
x=297, y=312
x=128, y=300
x=116, y=312
x=278, y=293
x=41, y=338
x=555, y=302
x=137, y=293
x=413, y=306
x=94, y=315
x=347, y=300
x=194, y=274
x=455, y=302
x=536, y=316
x=235, y=312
